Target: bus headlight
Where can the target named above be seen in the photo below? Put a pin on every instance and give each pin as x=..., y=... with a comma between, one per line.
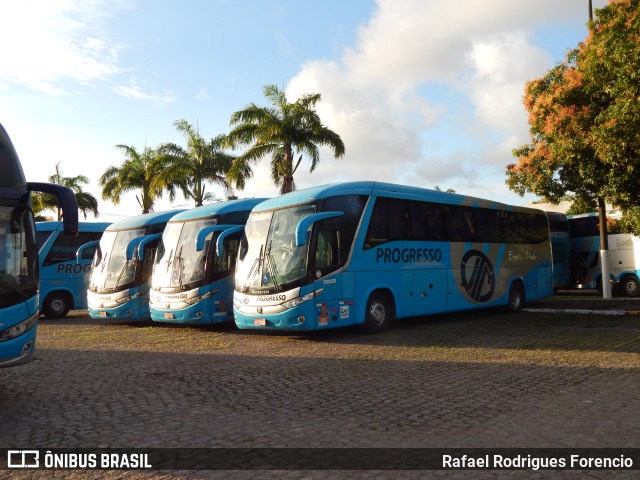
x=194, y=300
x=19, y=329
x=297, y=301
x=126, y=299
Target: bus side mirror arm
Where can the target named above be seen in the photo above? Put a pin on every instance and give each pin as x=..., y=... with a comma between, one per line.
x=67, y=200
x=204, y=233
x=146, y=239
x=84, y=247
x=306, y=222
x=139, y=242
x=225, y=234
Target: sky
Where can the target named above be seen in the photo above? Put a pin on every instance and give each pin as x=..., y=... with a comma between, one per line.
x=422, y=92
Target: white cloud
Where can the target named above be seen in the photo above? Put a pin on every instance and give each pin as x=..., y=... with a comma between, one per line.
x=136, y=91
x=390, y=96
x=48, y=42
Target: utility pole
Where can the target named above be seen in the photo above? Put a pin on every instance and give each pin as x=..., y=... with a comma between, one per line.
x=604, y=234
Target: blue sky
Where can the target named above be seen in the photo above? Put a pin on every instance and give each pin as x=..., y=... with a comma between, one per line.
x=422, y=92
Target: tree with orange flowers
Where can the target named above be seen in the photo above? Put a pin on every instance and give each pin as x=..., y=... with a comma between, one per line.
x=584, y=117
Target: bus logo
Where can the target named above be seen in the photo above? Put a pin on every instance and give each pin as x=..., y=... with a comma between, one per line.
x=23, y=458
x=478, y=277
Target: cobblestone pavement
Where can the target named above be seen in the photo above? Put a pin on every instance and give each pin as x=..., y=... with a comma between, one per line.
x=322, y=391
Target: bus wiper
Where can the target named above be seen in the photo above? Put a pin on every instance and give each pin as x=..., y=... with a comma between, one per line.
x=103, y=262
x=256, y=263
x=124, y=268
x=271, y=267
x=169, y=260
x=180, y=267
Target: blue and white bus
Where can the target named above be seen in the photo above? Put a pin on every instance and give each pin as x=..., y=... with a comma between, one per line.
x=63, y=276
x=560, y=248
x=193, y=273
x=364, y=253
x=19, y=273
x=585, y=266
x=122, y=265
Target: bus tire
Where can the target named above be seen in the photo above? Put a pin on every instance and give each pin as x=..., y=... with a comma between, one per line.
x=516, y=298
x=56, y=305
x=630, y=286
x=378, y=313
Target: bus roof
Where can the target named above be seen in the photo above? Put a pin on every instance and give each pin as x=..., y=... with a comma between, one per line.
x=11, y=173
x=53, y=226
x=615, y=213
x=144, y=220
x=218, y=208
x=384, y=189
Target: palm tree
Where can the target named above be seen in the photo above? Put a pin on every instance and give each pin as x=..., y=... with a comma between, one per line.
x=201, y=162
x=281, y=130
x=137, y=172
x=86, y=201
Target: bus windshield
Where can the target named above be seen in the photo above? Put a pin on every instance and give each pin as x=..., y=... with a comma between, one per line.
x=18, y=267
x=269, y=257
x=111, y=269
x=178, y=263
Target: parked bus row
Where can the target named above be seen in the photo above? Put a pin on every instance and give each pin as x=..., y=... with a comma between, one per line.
x=357, y=253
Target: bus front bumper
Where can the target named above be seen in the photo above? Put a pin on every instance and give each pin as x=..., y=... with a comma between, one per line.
x=298, y=319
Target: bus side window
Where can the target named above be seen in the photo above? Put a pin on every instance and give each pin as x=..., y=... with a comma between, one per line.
x=149, y=257
x=461, y=224
x=327, y=253
x=428, y=221
x=65, y=247
x=377, y=231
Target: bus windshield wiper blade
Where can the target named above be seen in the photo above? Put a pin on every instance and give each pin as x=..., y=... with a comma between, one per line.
x=256, y=263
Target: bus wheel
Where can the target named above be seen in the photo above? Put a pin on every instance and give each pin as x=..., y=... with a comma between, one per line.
x=56, y=305
x=630, y=285
x=516, y=298
x=378, y=313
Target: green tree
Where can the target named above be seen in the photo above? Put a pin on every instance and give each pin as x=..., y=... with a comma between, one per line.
x=282, y=131
x=584, y=115
x=137, y=172
x=582, y=205
x=202, y=161
x=86, y=201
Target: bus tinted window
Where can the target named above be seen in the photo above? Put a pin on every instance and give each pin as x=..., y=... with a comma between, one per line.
x=394, y=219
x=65, y=247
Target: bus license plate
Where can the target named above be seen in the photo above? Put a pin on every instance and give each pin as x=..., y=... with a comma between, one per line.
x=103, y=314
x=170, y=316
x=261, y=322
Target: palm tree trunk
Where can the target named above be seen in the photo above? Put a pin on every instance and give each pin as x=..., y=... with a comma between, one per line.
x=287, y=181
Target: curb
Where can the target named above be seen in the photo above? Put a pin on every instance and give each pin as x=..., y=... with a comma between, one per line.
x=618, y=313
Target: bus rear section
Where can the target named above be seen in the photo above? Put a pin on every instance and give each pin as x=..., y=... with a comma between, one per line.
x=585, y=266
x=364, y=253
x=559, y=233
x=19, y=273
x=64, y=277
x=192, y=280
x=121, y=268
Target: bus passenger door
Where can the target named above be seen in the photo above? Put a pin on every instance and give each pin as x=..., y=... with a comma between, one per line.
x=335, y=305
x=428, y=292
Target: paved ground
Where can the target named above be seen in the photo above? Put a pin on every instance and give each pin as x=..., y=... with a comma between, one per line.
x=469, y=381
